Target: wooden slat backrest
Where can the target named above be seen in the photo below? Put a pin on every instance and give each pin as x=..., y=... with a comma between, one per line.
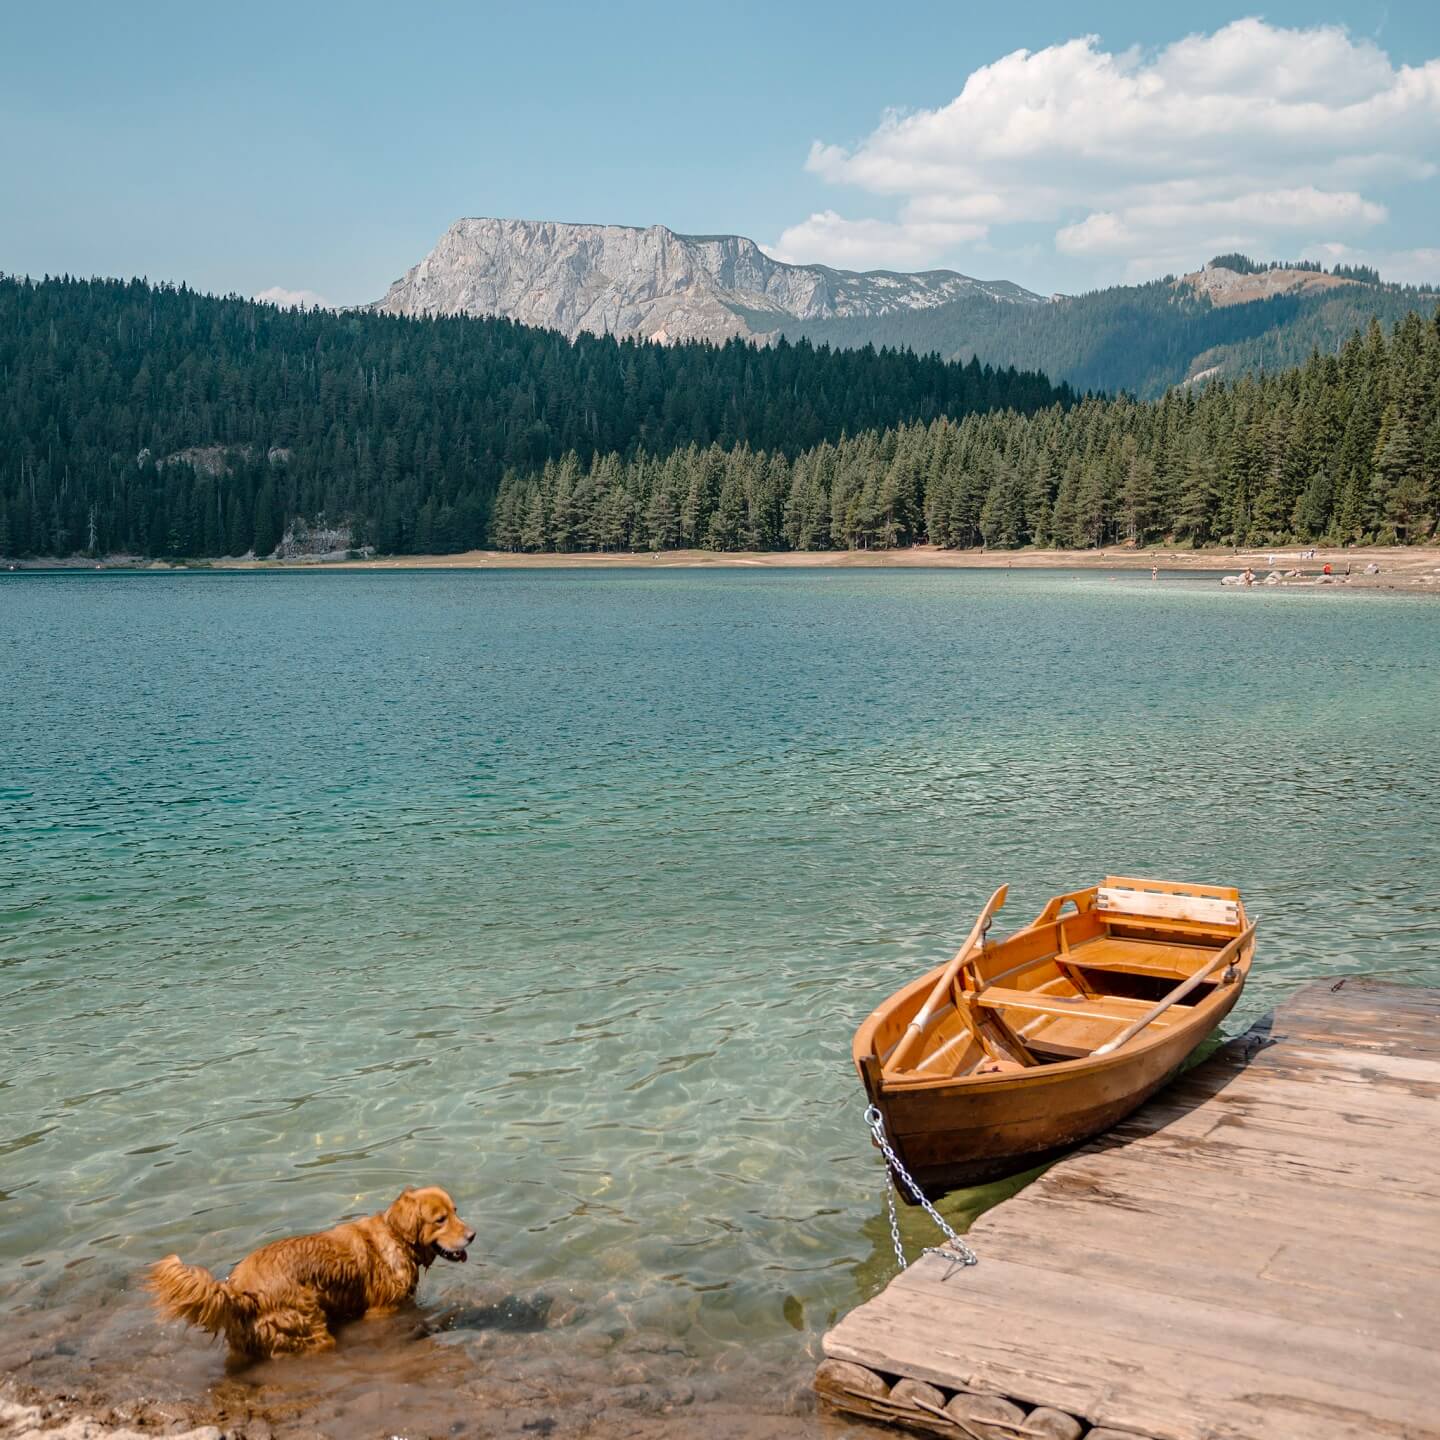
x=1115, y=900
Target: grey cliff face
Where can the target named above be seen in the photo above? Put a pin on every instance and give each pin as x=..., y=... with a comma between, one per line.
x=651, y=284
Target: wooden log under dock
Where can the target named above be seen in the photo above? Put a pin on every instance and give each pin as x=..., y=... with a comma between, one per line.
x=1253, y=1255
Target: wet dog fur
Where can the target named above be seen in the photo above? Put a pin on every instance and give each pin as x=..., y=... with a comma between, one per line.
x=286, y=1297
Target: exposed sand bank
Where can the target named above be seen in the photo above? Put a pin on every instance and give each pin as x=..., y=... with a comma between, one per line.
x=1401, y=567
x=30, y=1414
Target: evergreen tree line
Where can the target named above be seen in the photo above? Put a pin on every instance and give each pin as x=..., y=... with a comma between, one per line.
x=1244, y=265
x=154, y=420
x=1344, y=448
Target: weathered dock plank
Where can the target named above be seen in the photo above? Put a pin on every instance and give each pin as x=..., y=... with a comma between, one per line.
x=1254, y=1255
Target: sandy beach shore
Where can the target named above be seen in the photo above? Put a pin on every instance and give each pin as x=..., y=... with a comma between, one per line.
x=502, y=1364
x=1397, y=563
x=30, y=1414
x=1400, y=567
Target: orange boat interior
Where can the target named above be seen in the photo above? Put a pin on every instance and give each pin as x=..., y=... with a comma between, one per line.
x=1095, y=969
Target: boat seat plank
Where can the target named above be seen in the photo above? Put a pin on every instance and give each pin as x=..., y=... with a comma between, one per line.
x=1114, y=1008
x=1140, y=957
x=1204, y=909
x=1145, y=927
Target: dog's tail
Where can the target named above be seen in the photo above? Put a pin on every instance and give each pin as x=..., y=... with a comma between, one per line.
x=192, y=1294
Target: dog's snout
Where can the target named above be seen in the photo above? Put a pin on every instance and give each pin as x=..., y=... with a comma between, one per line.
x=469, y=1236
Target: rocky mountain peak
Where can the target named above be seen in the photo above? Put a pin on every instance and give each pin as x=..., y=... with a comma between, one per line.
x=652, y=283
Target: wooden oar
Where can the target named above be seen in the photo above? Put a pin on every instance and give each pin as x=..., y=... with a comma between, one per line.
x=915, y=1032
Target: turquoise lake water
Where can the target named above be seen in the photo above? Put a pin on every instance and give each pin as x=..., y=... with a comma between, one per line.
x=566, y=890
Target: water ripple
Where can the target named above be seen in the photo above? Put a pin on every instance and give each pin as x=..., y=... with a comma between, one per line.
x=567, y=890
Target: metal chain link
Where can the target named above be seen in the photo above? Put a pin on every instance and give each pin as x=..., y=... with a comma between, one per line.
x=894, y=1224
x=955, y=1251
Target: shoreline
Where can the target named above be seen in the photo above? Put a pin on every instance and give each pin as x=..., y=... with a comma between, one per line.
x=29, y=1412
x=1401, y=567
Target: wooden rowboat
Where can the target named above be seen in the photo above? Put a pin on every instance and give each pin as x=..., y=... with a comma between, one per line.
x=1013, y=1052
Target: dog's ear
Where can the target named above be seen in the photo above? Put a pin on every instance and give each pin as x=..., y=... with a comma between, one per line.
x=404, y=1216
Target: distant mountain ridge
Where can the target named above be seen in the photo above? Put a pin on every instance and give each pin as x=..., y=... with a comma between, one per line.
x=1213, y=323
x=1231, y=318
x=655, y=284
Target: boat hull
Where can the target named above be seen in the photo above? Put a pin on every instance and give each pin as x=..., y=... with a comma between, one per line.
x=950, y=1134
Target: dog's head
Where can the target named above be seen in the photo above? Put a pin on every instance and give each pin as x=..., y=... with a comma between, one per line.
x=426, y=1221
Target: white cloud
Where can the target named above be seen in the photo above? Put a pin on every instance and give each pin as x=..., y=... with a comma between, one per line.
x=1267, y=211
x=1419, y=266
x=1410, y=267
x=869, y=244
x=1245, y=137
x=305, y=299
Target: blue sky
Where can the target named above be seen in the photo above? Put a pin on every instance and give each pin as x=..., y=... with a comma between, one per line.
x=323, y=148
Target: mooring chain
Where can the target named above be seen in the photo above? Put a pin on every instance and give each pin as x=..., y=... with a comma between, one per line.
x=955, y=1251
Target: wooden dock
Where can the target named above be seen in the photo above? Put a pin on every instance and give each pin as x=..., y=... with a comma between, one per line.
x=1255, y=1253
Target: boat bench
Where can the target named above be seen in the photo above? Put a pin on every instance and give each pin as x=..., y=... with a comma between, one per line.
x=1122, y=901
x=1165, y=959
x=1115, y=1008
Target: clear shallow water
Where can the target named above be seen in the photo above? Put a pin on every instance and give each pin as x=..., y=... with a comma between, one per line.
x=567, y=890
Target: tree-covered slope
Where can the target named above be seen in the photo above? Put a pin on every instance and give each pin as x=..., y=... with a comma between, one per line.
x=1141, y=339
x=1343, y=448
x=156, y=420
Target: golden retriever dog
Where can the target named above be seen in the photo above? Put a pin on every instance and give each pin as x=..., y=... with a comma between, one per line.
x=284, y=1298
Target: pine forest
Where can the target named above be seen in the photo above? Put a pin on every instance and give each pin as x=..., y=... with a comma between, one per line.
x=156, y=421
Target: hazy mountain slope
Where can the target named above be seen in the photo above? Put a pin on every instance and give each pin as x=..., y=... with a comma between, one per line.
x=1322, y=324
x=653, y=284
x=656, y=284
x=1139, y=338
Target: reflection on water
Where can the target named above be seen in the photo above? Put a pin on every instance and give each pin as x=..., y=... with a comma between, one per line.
x=567, y=890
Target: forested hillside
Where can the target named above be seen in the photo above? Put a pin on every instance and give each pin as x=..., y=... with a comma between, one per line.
x=154, y=420
x=158, y=421
x=1141, y=339
x=1344, y=448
